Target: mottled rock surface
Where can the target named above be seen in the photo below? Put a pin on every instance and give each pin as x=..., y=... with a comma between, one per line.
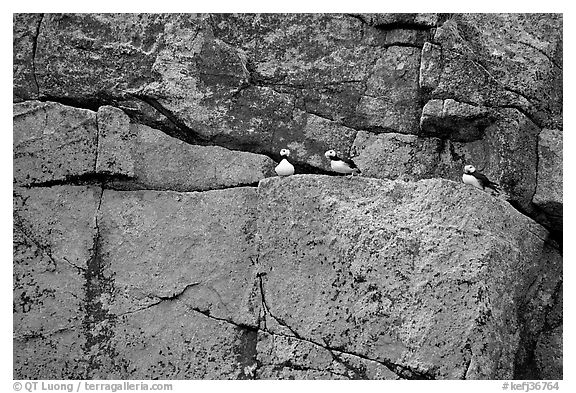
x=261, y=82
x=54, y=237
x=143, y=250
x=396, y=156
x=198, y=244
x=25, y=33
x=155, y=161
x=359, y=266
x=52, y=142
x=134, y=284
x=504, y=60
x=548, y=194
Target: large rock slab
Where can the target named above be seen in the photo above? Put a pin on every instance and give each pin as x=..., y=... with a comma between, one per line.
x=147, y=284
x=391, y=100
x=52, y=142
x=153, y=160
x=55, y=143
x=54, y=234
x=161, y=245
x=549, y=185
x=426, y=278
x=180, y=284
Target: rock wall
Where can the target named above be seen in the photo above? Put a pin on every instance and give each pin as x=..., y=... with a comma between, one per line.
x=147, y=244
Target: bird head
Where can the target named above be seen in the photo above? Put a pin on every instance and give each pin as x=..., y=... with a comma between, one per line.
x=330, y=153
x=469, y=169
x=284, y=152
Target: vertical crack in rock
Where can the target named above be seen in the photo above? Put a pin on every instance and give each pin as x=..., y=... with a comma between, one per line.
x=97, y=143
x=267, y=312
x=264, y=307
x=34, y=50
x=98, y=323
x=537, y=163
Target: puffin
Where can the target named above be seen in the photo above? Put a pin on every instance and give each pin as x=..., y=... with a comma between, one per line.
x=474, y=178
x=284, y=168
x=341, y=165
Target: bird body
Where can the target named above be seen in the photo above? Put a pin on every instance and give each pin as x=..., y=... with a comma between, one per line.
x=474, y=178
x=285, y=168
x=341, y=165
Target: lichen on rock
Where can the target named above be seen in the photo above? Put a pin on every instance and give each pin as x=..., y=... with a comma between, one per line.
x=153, y=240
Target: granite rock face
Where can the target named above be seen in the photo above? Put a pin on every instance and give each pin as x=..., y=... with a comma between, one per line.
x=54, y=238
x=504, y=60
x=143, y=248
x=367, y=273
x=263, y=82
x=134, y=284
x=54, y=143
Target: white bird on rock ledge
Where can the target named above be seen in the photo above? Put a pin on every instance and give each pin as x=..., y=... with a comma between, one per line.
x=341, y=165
x=473, y=177
x=284, y=168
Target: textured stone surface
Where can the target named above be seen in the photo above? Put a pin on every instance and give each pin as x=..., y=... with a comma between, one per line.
x=346, y=278
x=55, y=143
x=115, y=143
x=396, y=156
x=87, y=56
x=430, y=66
x=172, y=341
x=358, y=266
x=549, y=186
x=454, y=120
x=139, y=284
x=160, y=162
x=54, y=234
x=391, y=98
x=52, y=142
x=284, y=357
x=549, y=354
x=512, y=60
x=158, y=245
x=25, y=32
